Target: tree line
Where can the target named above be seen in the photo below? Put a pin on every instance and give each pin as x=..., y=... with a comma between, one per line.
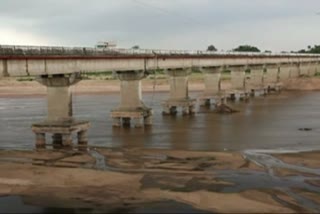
x=248, y=48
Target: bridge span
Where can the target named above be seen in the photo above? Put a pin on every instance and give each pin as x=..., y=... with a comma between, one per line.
x=59, y=68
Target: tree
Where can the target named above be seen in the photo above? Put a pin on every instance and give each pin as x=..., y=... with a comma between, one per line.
x=268, y=51
x=136, y=47
x=315, y=49
x=211, y=48
x=246, y=48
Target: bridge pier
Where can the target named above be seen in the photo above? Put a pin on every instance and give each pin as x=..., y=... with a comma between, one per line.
x=317, y=67
x=295, y=70
x=304, y=69
x=131, y=110
x=238, y=83
x=4, y=68
x=60, y=122
x=179, y=94
x=284, y=72
x=255, y=85
x=313, y=69
x=212, y=83
x=271, y=80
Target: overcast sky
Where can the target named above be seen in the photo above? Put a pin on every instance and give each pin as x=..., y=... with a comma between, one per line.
x=165, y=24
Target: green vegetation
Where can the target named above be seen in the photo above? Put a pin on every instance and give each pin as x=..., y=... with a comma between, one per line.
x=135, y=47
x=313, y=50
x=26, y=78
x=246, y=48
x=107, y=75
x=211, y=48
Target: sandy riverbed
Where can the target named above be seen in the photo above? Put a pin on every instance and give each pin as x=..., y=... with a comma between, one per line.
x=133, y=177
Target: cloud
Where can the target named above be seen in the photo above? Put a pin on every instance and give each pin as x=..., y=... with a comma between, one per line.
x=181, y=24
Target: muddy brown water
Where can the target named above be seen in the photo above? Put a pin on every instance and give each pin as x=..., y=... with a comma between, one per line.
x=263, y=123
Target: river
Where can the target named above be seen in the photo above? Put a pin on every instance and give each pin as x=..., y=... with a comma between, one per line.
x=270, y=122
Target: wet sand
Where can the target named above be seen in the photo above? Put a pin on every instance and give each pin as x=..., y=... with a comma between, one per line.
x=128, y=178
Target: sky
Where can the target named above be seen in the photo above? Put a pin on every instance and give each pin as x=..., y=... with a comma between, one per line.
x=276, y=25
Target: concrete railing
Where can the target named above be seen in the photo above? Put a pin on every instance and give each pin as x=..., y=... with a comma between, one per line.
x=6, y=50
x=46, y=60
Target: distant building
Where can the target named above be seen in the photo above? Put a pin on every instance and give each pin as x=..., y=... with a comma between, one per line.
x=109, y=44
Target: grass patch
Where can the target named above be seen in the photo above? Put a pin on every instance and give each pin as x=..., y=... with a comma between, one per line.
x=25, y=79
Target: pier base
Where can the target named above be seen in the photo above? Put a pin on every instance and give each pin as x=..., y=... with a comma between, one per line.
x=135, y=117
x=60, y=122
x=61, y=131
x=256, y=92
x=237, y=95
x=188, y=106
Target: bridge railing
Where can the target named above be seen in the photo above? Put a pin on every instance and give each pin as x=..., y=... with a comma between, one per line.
x=60, y=50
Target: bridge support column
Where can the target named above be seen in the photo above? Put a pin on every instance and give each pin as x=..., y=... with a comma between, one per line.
x=295, y=70
x=271, y=80
x=313, y=68
x=317, y=67
x=284, y=73
x=179, y=95
x=212, y=83
x=255, y=85
x=60, y=122
x=4, y=68
x=304, y=69
x=131, y=109
x=238, y=83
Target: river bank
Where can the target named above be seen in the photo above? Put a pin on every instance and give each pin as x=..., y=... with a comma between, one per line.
x=126, y=179
x=12, y=87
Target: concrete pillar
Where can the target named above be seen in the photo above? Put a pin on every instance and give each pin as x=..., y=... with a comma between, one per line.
x=130, y=90
x=255, y=85
x=284, y=72
x=67, y=139
x=238, y=89
x=295, y=70
x=271, y=79
x=304, y=69
x=179, y=94
x=238, y=77
x=4, y=68
x=59, y=95
x=40, y=140
x=318, y=68
x=212, y=83
x=178, y=81
x=82, y=138
x=313, y=69
x=131, y=108
x=59, y=122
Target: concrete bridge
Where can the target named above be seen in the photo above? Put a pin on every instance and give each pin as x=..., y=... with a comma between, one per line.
x=59, y=68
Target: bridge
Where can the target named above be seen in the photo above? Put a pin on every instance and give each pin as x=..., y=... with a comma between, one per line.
x=58, y=68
